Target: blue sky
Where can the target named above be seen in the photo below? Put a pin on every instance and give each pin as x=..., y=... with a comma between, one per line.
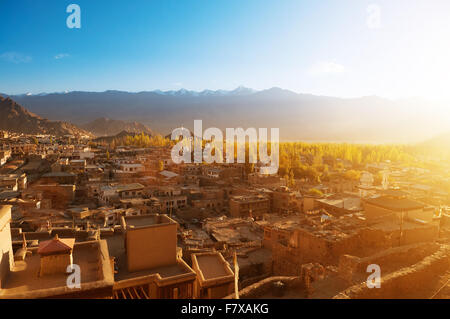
x=338, y=48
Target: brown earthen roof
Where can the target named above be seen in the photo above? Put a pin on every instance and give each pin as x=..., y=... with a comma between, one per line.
x=395, y=204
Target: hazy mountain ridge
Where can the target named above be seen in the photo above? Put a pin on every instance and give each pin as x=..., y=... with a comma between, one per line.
x=299, y=116
x=16, y=118
x=438, y=143
x=111, y=138
x=109, y=127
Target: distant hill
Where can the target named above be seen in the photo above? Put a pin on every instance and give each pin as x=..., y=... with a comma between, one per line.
x=15, y=118
x=109, y=139
x=299, y=116
x=442, y=140
x=108, y=127
x=438, y=145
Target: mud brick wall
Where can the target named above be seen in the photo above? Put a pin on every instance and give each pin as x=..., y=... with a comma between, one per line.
x=348, y=266
x=287, y=267
x=352, y=268
x=417, y=235
x=287, y=259
x=409, y=282
x=375, y=239
x=303, y=246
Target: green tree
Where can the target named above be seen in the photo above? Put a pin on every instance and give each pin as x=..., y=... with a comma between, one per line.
x=315, y=192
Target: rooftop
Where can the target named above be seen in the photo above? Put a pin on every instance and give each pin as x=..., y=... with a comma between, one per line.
x=168, y=174
x=329, y=228
x=117, y=250
x=395, y=204
x=59, y=174
x=348, y=203
x=394, y=193
x=249, y=198
x=92, y=257
x=5, y=212
x=232, y=230
x=128, y=187
x=147, y=220
x=212, y=265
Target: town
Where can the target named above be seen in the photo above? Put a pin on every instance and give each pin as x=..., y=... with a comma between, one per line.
x=140, y=226
x=202, y=159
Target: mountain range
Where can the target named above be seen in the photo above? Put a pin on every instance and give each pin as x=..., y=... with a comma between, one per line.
x=15, y=118
x=303, y=117
x=436, y=146
x=108, y=127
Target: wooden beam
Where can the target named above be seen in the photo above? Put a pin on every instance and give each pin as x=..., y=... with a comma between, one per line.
x=136, y=293
x=128, y=290
x=145, y=294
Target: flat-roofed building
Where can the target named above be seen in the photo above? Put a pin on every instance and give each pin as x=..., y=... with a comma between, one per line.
x=79, y=164
x=24, y=205
x=59, y=178
x=155, y=233
x=171, y=199
x=6, y=250
x=223, y=172
x=283, y=200
x=13, y=181
x=9, y=182
x=26, y=281
x=265, y=179
x=5, y=155
x=84, y=154
x=215, y=279
x=148, y=262
x=394, y=205
x=60, y=195
x=109, y=194
x=23, y=148
x=168, y=174
x=131, y=168
x=340, y=205
x=249, y=206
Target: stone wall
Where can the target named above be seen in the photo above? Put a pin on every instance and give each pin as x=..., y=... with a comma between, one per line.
x=302, y=246
x=288, y=258
x=415, y=281
x=6, y=251
x=352, y=268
